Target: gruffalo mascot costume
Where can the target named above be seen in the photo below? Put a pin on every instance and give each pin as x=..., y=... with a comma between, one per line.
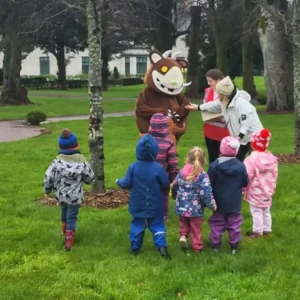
x=163, y=94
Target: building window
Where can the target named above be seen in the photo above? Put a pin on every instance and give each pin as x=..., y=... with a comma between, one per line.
x=85, y=62
x=127, y=65
x=44, y=65
x=141, y=64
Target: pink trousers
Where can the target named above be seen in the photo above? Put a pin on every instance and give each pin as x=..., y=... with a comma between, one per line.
x=192, y=226
x=262, y=220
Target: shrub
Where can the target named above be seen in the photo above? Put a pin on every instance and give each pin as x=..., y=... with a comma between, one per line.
x=261, y=99
x=132, y=81
x=35, y=117
x=116, y=74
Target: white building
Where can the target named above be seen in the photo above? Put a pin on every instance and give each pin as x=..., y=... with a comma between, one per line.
x=131, y=62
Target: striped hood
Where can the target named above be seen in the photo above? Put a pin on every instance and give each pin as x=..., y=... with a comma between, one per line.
x=159, y=126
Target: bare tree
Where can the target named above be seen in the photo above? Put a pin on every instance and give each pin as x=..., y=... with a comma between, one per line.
x=155, y=23
x=222, y=15
x=274, y=43
x=193, y=56
x=250, y=12
x=96, y=139
x=296, y=51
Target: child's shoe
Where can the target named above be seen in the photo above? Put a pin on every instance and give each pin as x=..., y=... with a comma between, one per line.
x=69, y=239
x=183, y=242
x=234, y=250
x=266, y=233
x=135, y=252
x=254, y=235
x=64, y=228
x=164, y=252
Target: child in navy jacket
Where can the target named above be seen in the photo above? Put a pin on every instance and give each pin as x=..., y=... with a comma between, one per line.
x=148, y=181
x=228, y=176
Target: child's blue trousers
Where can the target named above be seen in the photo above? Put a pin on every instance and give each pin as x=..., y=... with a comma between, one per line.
x=137, y=230
x=69, y=214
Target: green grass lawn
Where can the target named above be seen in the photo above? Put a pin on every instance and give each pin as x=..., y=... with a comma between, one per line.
x=33, y=264
x=259, y=83
x=114, y=91
x=55, y=107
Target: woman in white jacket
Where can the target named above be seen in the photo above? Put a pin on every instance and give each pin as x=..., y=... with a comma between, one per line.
x=240, y=115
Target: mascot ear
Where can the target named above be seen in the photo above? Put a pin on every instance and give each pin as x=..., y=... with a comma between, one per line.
x=183, y=62
x=155, y=56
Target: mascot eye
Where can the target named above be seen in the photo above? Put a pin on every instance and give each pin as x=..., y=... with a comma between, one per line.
x=164, y=69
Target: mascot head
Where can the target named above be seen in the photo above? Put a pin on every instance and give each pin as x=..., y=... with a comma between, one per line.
x=165, y=74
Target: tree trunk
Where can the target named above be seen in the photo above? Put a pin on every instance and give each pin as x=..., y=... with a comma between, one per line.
x=61, y=64
x=96, y=141
x=221, y=52
x=248, y=49
x=296, y=50
x=220, y=21
x=164, y=38
x=13, y=92
x=274, y=45
x=193, y=56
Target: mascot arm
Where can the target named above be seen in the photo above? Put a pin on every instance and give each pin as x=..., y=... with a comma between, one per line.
x=146, y=111
x=174, y=129
x=182, y=111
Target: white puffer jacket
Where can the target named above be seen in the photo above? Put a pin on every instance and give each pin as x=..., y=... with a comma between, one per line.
x=240, y=115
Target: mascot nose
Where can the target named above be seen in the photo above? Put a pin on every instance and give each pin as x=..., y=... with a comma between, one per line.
x=174, y=82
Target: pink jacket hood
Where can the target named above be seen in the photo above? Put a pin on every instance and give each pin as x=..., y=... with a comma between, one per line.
x=265, y=161
x=262, y=169
x=187, y=170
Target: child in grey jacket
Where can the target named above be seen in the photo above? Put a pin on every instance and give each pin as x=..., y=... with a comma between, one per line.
x=65, y=177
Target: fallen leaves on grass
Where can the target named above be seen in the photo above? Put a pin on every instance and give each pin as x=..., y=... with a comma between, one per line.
x=111, y=200
x=288, y=159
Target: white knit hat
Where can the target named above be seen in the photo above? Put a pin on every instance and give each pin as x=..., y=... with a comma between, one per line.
x=225, y=86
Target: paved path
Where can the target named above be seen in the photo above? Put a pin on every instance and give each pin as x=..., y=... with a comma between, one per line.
x=18, y=129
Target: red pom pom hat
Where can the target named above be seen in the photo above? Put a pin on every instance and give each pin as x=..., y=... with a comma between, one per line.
x=260, y=140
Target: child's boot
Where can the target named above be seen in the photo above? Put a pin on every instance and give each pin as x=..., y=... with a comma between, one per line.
x=164, y=252
x=69, y=239
x=64, y=228
x=234, y=251
x=135, y=252
x=183, y=243
x=254, y=235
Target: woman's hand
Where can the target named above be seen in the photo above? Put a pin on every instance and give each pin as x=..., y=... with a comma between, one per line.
x=192, y=107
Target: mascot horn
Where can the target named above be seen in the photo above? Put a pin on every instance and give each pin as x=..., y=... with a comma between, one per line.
x=163, y=94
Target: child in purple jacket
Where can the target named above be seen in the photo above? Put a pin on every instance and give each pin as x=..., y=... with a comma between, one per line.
x=166, y=157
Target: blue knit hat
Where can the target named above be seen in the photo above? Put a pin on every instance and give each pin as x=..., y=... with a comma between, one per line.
x=67, y=142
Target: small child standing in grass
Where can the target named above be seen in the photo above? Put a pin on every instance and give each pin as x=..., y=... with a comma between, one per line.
x=262, y=168
x=148, y=182
x=167, y=156
x=192, y=191
x=228, y=177
x=65, y=176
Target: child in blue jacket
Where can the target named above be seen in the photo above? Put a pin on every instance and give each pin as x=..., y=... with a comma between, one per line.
x=148, y=181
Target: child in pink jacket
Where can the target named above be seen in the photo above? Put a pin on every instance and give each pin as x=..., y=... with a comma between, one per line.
x=262, y=169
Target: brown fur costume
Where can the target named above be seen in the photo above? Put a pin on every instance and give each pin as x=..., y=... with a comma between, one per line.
x=164, y=81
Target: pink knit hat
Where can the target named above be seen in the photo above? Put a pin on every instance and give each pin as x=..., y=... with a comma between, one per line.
x=229, y=146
